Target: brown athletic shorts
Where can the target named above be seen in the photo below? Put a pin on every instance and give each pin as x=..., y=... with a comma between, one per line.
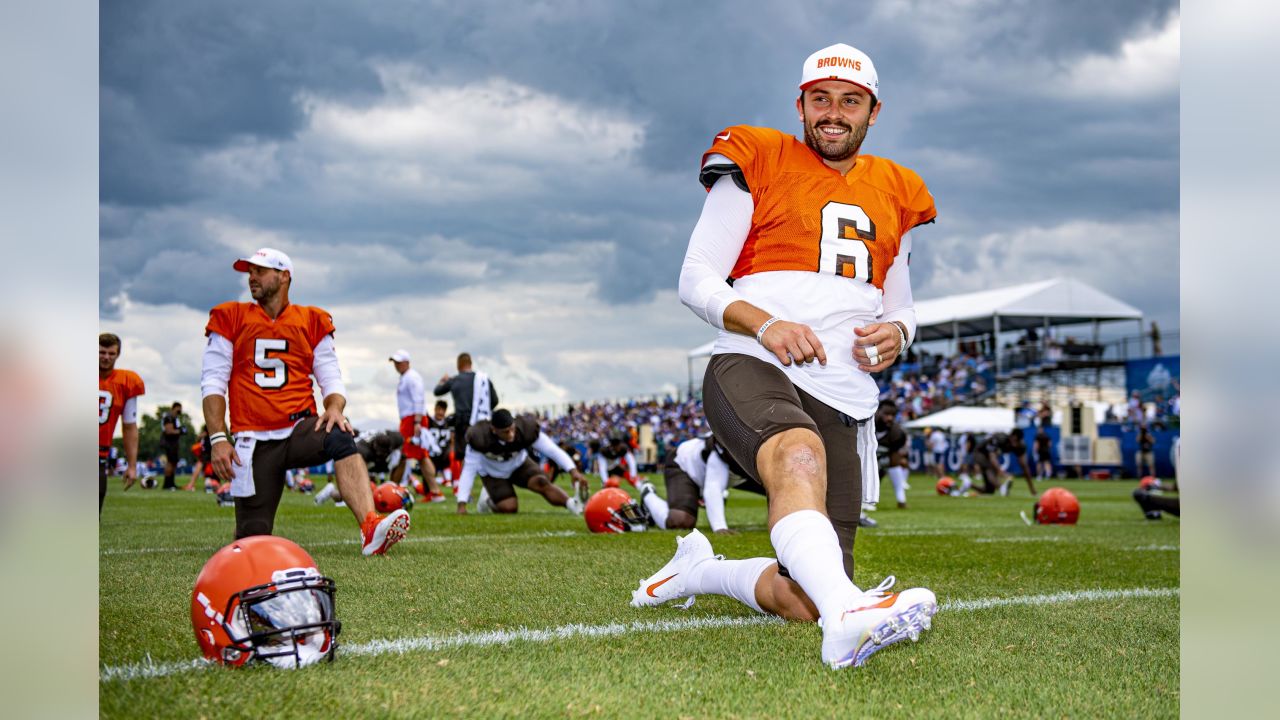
x=256, y=515
x=747, y=401
x=500, y=489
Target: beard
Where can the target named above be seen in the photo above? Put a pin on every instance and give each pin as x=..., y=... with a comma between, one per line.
x=838, y=149
x=266, y=291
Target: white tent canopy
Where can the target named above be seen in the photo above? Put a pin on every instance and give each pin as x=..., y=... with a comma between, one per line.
x=1061, y=301
x=968, y=419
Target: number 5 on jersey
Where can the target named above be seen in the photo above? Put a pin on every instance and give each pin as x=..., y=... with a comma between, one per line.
x=846, y=230
x=277, y=372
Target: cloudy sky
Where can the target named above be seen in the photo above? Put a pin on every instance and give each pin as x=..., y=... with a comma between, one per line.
x=518, y=180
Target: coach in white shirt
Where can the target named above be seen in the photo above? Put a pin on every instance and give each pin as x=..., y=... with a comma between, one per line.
x=411, y=399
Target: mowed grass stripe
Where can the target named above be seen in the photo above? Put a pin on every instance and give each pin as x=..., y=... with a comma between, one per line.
x=148, y=669
x=356, y=542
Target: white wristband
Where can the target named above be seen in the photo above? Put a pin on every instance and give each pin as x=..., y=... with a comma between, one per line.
x=216, y=438
x=765, y=326
x=902, y=339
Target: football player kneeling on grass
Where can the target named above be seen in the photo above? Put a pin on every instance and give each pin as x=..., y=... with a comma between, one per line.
x=261, y=599
x=700, y=469
x=498, y=451
x=788, y=389
x=261, y=357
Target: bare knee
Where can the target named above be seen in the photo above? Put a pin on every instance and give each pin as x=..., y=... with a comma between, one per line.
x=506, y=507
x=784, y=597
x=796, y=453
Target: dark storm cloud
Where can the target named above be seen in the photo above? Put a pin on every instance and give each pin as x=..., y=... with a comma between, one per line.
x=181, y=80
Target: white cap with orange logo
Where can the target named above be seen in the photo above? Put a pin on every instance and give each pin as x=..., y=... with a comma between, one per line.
x=267, y=258
x=841, y=62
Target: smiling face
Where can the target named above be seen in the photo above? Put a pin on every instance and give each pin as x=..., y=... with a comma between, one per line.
x=836, y=115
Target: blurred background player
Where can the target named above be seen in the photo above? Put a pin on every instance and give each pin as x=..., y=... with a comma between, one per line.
x=439, y=433
x=1015, y=444
x=699, y=469
x=938, y=446
x=118, y=393
x=260, y=358
x=1044, y=454
x=1145, y=459
x=616, y=460
x=575, y=455
x=411, y=400
x=498, y=451
x=474, y=397
x=380, y=452
x=171, y=431
x=891, y=450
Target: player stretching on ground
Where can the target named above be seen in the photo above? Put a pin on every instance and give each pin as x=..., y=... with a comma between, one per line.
x=699, y=469
x=814, y=236
x=118, y=392
x=498, y=451
x=260, y=357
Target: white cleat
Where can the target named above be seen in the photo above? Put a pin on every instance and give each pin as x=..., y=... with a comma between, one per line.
x=879, y=620
x=669, y=583
x=483, y=504
x=575, y=505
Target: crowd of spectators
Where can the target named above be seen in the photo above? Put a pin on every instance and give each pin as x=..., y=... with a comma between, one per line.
x=589, y=426
x=925, y=383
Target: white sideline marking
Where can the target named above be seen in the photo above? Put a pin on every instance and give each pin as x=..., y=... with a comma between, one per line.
x=1173, y=548
x=1058, y=598
x=334, y=543
x=150, y=669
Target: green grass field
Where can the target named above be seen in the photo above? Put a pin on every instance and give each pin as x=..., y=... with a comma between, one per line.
x=1019, y=634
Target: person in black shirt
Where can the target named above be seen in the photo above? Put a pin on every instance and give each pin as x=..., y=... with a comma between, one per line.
x=1015, y=444
x=467, y=409
x=1146, y=458
x=171, y=431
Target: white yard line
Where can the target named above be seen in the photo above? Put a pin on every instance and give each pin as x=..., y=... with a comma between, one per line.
x=150, y=669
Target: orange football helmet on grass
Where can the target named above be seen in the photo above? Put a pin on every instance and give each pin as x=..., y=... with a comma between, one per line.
x=1057, y=506
x=261, y=598
x=612, y=510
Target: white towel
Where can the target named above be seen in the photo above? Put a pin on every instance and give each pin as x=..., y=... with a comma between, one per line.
x=480, y=409
x=867, y=445
x=242, y=478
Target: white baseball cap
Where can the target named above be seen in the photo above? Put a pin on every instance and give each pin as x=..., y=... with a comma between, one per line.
x=267, y=258
x=841, y=62
x=400, y=355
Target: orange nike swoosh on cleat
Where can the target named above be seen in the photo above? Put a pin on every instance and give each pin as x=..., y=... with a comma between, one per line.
x=656, y=585
x=887, y=602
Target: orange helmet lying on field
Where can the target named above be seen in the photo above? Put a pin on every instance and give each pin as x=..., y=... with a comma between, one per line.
x=1057, y=506
x=262, y=598
x=613, y=511
x=945, y=485
x=389, y=497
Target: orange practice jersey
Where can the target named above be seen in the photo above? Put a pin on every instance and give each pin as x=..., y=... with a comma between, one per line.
x=114, y=391
x=271, y=361
x=809, y=217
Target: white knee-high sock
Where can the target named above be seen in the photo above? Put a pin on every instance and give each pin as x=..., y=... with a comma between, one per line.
x=807, y=546
x=898, y=476
x=966, y=482
x=732, y=578
x=658, y=508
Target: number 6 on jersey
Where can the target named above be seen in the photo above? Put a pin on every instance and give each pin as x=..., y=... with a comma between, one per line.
x=846, y=230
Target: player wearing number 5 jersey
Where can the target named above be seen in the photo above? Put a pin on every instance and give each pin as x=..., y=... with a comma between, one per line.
x=260, y=358
x=813, y=238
